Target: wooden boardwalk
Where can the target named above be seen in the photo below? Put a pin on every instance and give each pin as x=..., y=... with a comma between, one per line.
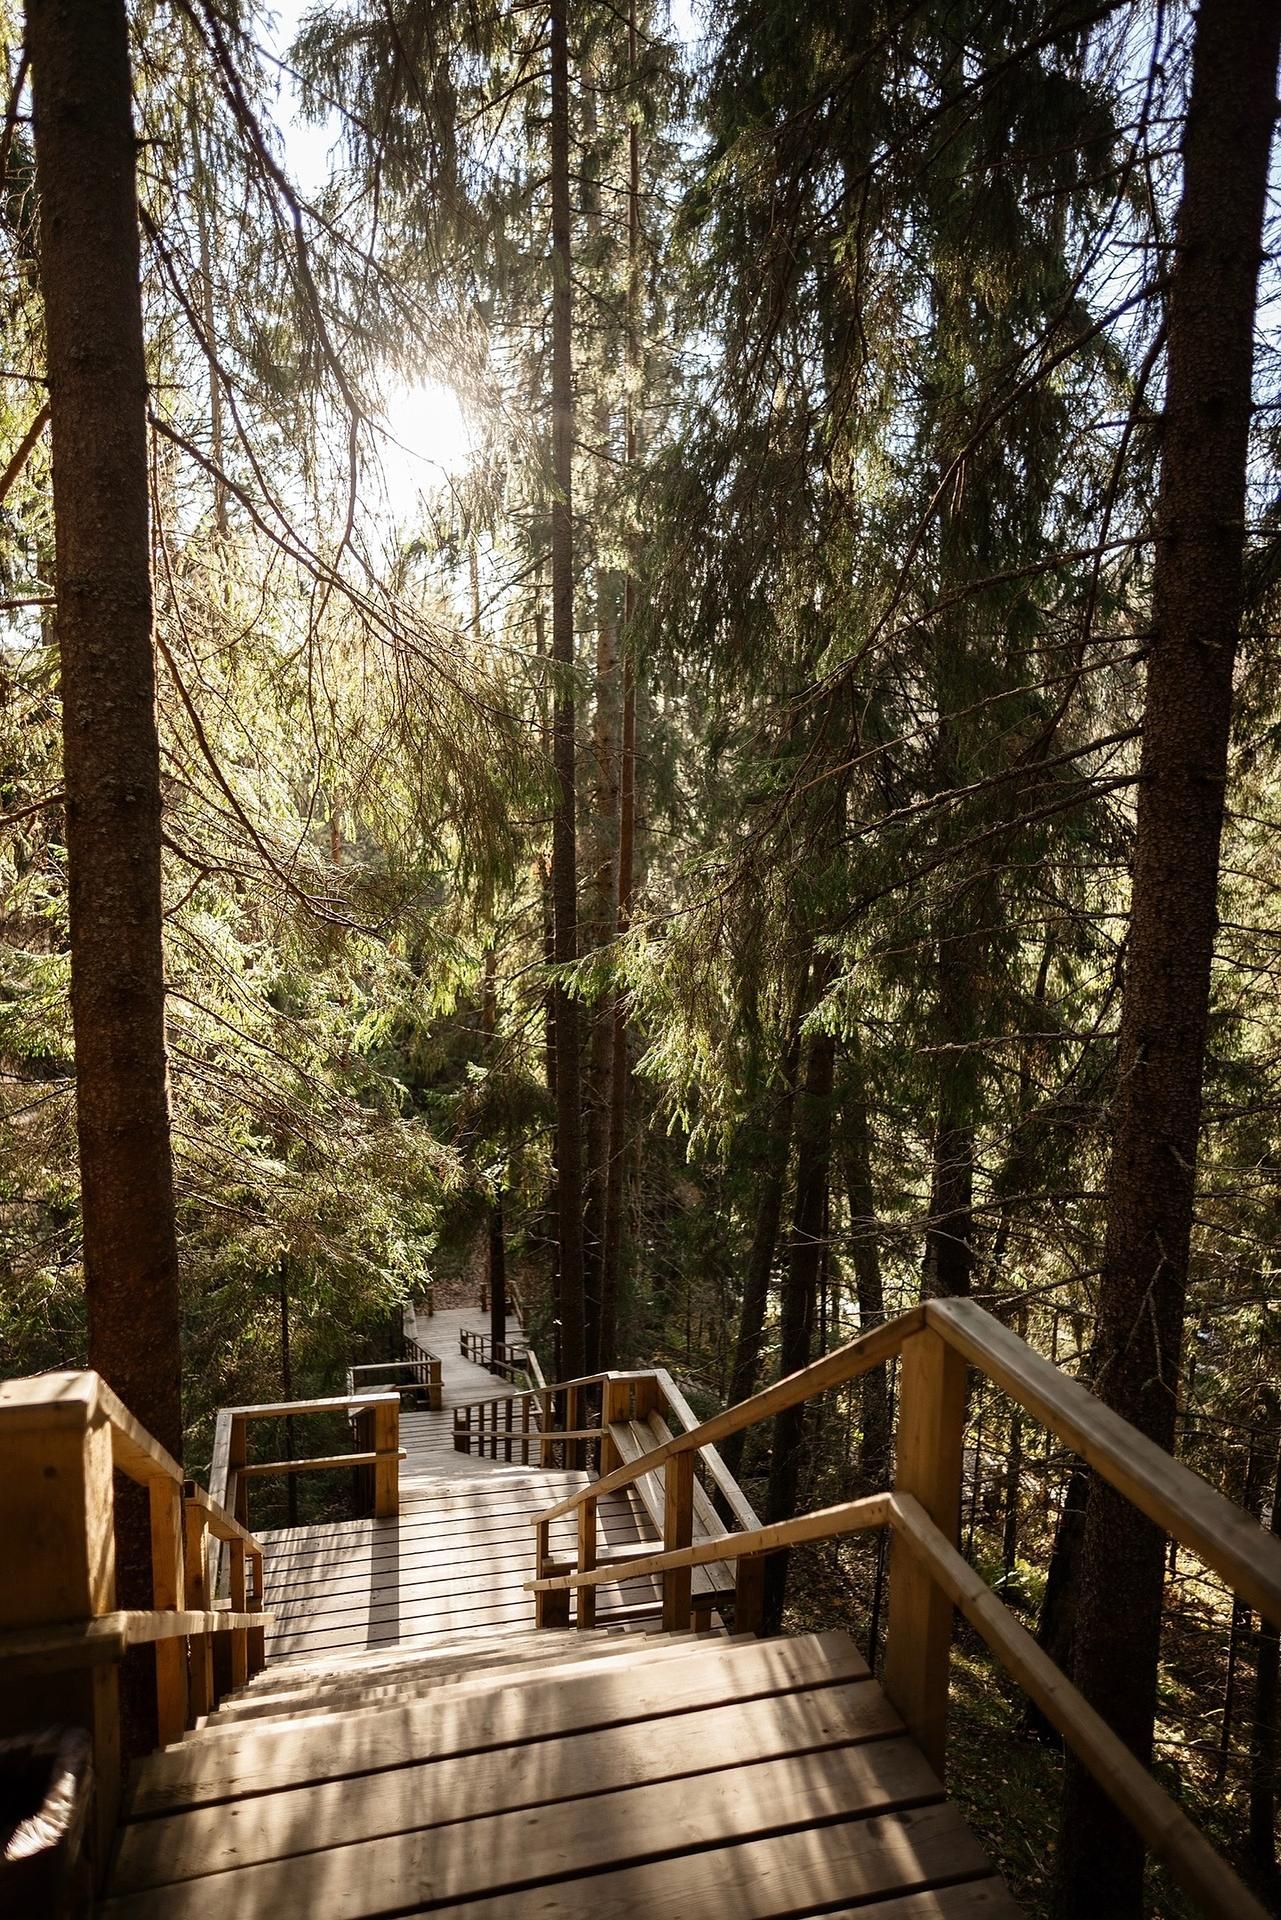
x=456, y=1557
x=416, y=1745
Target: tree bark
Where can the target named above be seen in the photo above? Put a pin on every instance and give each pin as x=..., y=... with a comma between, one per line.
x=569, y=1091
x=1197, y=598
x=1265, y=1742
x=772, y=1175
x=620, y=1062
x=796, y=1328
x=874, y=1442
x=89, y=271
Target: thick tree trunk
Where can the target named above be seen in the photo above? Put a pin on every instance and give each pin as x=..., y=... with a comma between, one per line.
x=1197, y=590
x=89, y=270
x=772, y=1187
x=569, y=1091
x=874, y=1442
x=98, y=397
x=796, y=1328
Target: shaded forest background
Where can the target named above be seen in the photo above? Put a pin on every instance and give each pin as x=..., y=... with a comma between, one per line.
x=686, y=836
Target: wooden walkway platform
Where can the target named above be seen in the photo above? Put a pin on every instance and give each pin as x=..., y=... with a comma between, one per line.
x=416, y=1745
x=458, y=1554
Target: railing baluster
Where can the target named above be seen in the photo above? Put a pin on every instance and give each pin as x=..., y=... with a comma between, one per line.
x=678, y=1531
x=196, y=1527
x=586, y=1562
x=240, y=1637
x=918, y=1636
x=164, y=1499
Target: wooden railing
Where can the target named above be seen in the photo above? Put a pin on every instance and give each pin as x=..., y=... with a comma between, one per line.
x=62, y=1437
x=928, y=1577
x=419, y=1368
x=375, y=1426
x=504, y=1357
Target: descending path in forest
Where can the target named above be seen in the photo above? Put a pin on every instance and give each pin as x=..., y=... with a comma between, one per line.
x=463, y=1706
x=415, y=1743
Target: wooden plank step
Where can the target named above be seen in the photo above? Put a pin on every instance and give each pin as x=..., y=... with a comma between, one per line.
x=864, y=1862
x=400, y=1542
x=504, y=1852
x=444, y=1644
x=433, y=1793
x=334, y=1745
x=394, y=1602
x=513, y=1608
x=363, y=1690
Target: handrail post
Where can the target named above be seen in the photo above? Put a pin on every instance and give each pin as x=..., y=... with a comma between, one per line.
x=387, y=1466
x=196, y=1526
x=240, y=1635
x=573, y=1421
x=57, y=1506
x=524, y=1429
x=257, y=1637
x=615, y=1404
x=749, y=1593
x=678, y=1531
x=164, y=1499
x=550, y=1609
x=586, y=1562
x=435, y=1391
x=928, y=1453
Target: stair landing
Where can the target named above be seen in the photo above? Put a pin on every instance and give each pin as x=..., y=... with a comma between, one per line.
x=457, y=1555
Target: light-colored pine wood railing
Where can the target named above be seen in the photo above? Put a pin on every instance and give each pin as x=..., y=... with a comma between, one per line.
x=928, y=1577
x=507, y=1358
x=375, y=1426
x=421, y=1369
x=62, y=1437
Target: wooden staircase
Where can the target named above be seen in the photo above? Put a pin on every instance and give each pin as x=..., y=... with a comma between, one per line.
x=458, y=1701
x=554, y=1774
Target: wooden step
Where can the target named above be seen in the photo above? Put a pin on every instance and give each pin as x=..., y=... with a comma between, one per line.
x=600, y=1799
x=411, y=1683
x=333, y=1746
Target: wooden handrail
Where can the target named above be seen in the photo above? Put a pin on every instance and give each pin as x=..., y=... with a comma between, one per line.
x=61, y=1634
x=1166, y=1830
x=928, y=1577
x=835, y=1369
x=1180, y=1501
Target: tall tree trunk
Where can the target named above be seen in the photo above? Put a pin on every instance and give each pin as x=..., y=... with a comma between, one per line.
x=1265, y=1740
x=772, y=1178
x=949, y=1233
x=813, y=1161
x=497, y=1240
x=874, y=1442
x=89, y=271
x=1197, y=595
x=569, y=1091
x=620, y=1066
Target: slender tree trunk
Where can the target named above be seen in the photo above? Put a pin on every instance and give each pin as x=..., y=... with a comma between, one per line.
x=874, y=1388
x=620, y=1067
x=89, y=269
x=569, y=1090
x=772, y=1178
x=1265, y=1740
x=287, y=1390
x=1197, y=596
x=497, y=1241
x=796, y=1329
